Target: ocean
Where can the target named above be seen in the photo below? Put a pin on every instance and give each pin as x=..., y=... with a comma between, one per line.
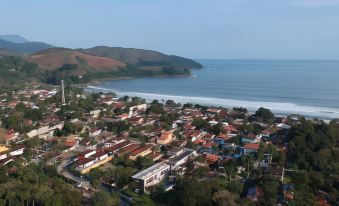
x=309, y=88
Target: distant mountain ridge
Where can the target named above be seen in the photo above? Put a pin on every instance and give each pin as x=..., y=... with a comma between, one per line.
x=13, y=38
x=46, y=63
x=25, y=48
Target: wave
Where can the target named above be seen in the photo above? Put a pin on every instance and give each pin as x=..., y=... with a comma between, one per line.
x=276, y=107
x=96, y=88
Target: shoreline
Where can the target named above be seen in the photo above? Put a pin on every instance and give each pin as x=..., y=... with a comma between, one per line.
x=102, y=80
x=284, y=109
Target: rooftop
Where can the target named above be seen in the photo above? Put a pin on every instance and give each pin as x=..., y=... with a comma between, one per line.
x=150, y=171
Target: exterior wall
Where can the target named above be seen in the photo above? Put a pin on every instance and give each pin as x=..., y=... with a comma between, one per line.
x=32, y=133
x=142, y=154
x=95, y=165
x=103, y=157
x=17, y=152
x=156, y=178
x=43, y=130
x=249, y=151
x=3, y=156
x=248, y=140
x=90, y=154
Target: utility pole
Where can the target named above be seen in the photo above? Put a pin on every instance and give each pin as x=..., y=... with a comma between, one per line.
x=63, y=100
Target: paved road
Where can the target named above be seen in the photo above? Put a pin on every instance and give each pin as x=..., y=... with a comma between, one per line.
x=60, y=169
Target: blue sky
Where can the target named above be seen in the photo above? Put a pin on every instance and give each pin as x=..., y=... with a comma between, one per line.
x=232, y=29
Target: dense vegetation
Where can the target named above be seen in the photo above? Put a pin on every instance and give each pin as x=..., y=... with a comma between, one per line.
x=35, y=185
x=64, y=73
x=15, y=71
x=314, y=154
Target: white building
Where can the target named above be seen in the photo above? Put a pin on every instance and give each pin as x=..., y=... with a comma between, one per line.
x=152, y=175
x=182, y=158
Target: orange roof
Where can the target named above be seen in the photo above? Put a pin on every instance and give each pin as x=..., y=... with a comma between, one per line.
x=165, y=135
x=252, y=146
x=208, y=136
x=199, y=141
x=208, y=145
x=212, y=158
x=70, y=142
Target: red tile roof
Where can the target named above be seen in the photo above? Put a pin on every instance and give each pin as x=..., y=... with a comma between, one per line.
x=118, y=146
x=140, y=150
x=252, y=146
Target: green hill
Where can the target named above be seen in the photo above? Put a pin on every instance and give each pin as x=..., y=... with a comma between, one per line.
x=143, y=58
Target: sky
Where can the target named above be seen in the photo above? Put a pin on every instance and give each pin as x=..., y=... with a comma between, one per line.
x=217, y=29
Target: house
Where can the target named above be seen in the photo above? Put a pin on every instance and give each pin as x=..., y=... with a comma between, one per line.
x=70, y=143
x=252, y=138
x=91, y=159
x=87, y=153
x=118, y=105
x=141, y=152
x=11, y=135
x=165, y=138
x=100, y=155
x=136, y=120
x=152, y=175
x=220, y=139
x=95, y=132
x=208, y=136
x=122, y=117
x=283, y=126
x=95, y=113
x=17, y=150
x=114, y=141
x=87, y=143
x=199, y=141
x=3, y=155
x=211, y=159
x=126, y=150
x=250, y=148
x=155, y=156
x=212, y=111
x=84, y=162
x=118, y=146
x=207, y=148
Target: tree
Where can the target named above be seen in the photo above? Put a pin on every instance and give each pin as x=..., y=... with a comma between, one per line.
x=263, y=114
x=102, y=198
x=225, y=198
x=270, y=190
x=170, y=103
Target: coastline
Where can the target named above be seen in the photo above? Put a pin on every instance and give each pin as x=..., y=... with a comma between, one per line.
x=102, y=80
x=283, y=109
